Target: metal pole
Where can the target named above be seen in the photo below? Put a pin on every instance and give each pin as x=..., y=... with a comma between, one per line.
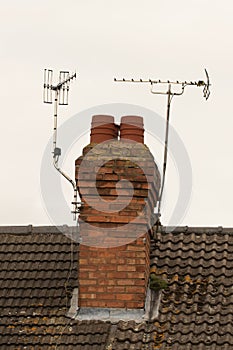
x=55, y=122
x=55, y=155
x=169, y=98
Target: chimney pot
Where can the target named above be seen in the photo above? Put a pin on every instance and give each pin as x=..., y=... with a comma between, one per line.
x=103, y=128
x=131, y=128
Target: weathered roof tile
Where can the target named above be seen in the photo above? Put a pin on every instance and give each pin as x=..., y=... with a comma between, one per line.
x=197, y=263
x=195, y=310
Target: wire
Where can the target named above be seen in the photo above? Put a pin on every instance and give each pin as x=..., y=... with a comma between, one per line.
x=61, y=334
x=71, y=266
x=66, y=286
x=62, y=331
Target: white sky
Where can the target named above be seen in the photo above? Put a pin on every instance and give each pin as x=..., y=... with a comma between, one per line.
x=105, y=39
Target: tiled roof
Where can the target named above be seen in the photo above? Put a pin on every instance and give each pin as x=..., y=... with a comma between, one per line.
x=195, y=310
x=35, y=264
x=34, y=268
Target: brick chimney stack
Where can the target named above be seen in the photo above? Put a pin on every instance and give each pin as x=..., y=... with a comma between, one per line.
x=118, y=182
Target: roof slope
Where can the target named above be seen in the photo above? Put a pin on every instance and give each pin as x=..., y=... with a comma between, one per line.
x=35, y=291
x=196, y=308
x=35, y=294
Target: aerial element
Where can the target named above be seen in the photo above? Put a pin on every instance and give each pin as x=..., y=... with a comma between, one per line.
x=61, y=91
x=170, y=94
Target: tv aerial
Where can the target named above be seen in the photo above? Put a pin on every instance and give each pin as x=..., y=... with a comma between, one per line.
x=61, y=92
x=170, y=92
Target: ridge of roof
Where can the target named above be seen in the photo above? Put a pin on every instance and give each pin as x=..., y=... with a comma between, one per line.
x=29, y=229
x=195, y=229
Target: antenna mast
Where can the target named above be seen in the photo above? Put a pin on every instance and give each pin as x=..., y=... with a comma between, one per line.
x=170, y=94
x=61, y=91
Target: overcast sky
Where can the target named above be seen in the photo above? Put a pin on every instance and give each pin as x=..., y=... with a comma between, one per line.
x=105, y=39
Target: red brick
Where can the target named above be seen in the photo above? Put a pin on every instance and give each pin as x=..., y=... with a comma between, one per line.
x=107, y=184
x=110, y=241
x=96, y=289
x=125, y=296
x=85, y=254
x=96, y=275
x=92, y=303
x=136, y=248
x=87, y=282
x=125, y=282
x=87, y=267
x=131, y=296
x=141, y=254
x=107, y=296
x=122, y=192
x=118, y=261
x=95, y=218
x=131, y=261
x=121, y=219
x=111, y=177
x=87, y=295
x=107, y=255
x=117, y=274
x=116, y=289
x=140, y=268
x=84, y=183
x=83, y=261
x=135, y=275
x=97, y=261
x=87, y=176
x=126, y=268
x=106, y=281
x=138, y=261
x=107, y=267
x=83, y=275
x=104, y=170
x=135, y=304
x=140, y=282
x=124, y=163
x=116, y=304
x=135, y=289
x=83, y=289
x=92, y=212
x=131, y=214
x=128, y=254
